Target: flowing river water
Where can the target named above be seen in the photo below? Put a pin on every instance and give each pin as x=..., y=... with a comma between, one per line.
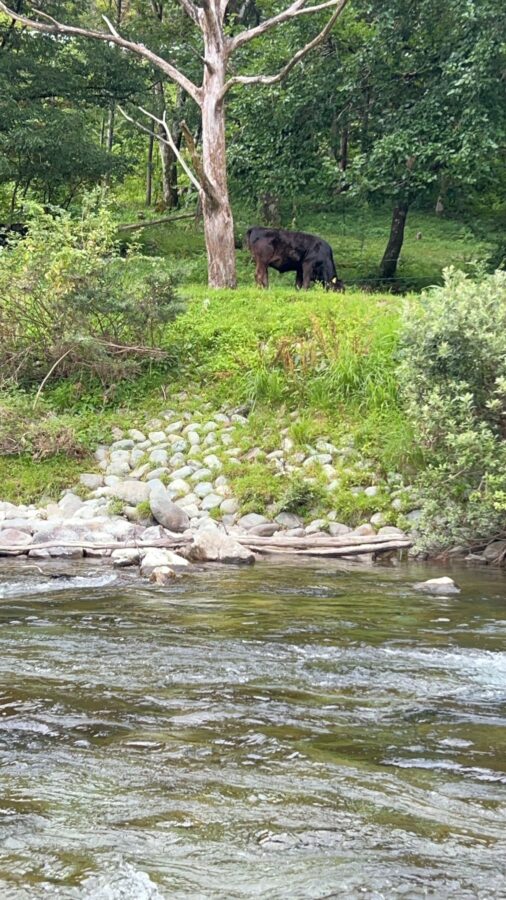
x=287, y=731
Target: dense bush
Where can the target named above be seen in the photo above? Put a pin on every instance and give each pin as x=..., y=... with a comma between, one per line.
x=70, y=304
x=453, y=377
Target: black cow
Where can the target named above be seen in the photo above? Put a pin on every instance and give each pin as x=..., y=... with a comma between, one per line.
x=18, y=229
x=292, y=251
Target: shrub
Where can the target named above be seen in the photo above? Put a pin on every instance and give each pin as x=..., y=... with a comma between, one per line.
x=453, y=377
x=71, y=305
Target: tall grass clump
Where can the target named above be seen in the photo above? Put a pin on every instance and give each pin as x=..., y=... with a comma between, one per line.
x=453, y=380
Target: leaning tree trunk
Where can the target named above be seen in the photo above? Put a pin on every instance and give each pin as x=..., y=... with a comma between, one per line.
x=168, y=158
x=217, y=213
x=390, y=259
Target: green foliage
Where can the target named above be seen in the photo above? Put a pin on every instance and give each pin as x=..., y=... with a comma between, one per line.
x=256, y=488
x=70, y=305
x=453, y=377
x=300, y=495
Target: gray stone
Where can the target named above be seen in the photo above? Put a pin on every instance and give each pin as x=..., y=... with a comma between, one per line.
x=211, y=545
x=179, y=446
x=159, y=472
x=371, y=491
x=19, y=524
x=365, y=530
x=251, y=519
x=229, y=507
x=137, y=435
x=63, y=533
x=209, y=426
x=39, y=554
x=153, y=533
x=174, y=427
x=210, y=439
x=118, y=467
x=212, y=462
x=201, y=475
x=157, y=437
x=159, y=456
x=318, y=458
x=316, y=526
x=69, y=504
x=123, y=558
x=101, y=453
x=325, y=447
x=177, y=460
x=136, y=455
x=336, y=529
x=12, y=537
x=397, y=504
x=223, y=490
x=211, y=501
x=438, y=586
x=378, y=519
x=178, y=487
x=124, y=444
x=90, y=481
x=155, y=484
x=203, y=488
x=266, y=530
x=132, y=492
x=289, y=520
x=390, y=531
x=166, y=512
x=414, y=516
x=227, y=440
x=193, y=438
x=183, y=472
x=162, y=575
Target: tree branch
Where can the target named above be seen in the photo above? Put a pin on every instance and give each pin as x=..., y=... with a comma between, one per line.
x=273, y=79
x=170, y=140
x=298, y=8
x=191, y=10
x=52, y=26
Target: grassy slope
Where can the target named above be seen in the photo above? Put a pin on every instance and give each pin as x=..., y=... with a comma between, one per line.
x=331, y=358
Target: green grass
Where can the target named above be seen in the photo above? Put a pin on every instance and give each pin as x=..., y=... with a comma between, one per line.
x=357, y=234
x=25, y=480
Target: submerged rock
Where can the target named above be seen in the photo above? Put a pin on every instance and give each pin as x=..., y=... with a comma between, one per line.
x=162, y=575
x=437, y=586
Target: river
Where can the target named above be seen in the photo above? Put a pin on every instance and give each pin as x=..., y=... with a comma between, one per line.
x=291, y=731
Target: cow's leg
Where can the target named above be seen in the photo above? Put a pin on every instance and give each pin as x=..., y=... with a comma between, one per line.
x=261, y=275
x=298, y=279
x=307, y=272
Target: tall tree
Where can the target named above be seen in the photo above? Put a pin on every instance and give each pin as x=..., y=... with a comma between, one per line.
x=219, y=48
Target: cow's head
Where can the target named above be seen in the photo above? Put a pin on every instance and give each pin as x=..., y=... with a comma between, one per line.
x=335, y=284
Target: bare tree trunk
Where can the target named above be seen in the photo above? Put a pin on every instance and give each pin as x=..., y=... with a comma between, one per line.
x=149, y=171
x=343, y=149
x=218, y=221
x=110, y=127
x=390, y=259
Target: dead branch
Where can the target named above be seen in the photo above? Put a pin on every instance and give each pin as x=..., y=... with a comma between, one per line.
x=299, y=546
x=52, y=26
x=166, y=220
x=273, y=79
x=296, y=9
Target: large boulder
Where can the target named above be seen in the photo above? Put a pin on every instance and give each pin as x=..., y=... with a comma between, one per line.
x=211, y=545
x=166, y=512
x=132, y=492
x=13, y=537
x=494, y=551
x=157, y=557
x=64, y=533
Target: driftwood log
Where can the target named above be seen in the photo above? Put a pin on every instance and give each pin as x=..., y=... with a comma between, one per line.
x=309, y=546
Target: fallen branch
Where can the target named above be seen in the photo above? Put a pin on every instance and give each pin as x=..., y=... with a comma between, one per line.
x=343, y=546
x=387, y=546
x=167, y=219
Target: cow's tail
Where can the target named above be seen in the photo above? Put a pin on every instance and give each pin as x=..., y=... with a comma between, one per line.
x=247, y=237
